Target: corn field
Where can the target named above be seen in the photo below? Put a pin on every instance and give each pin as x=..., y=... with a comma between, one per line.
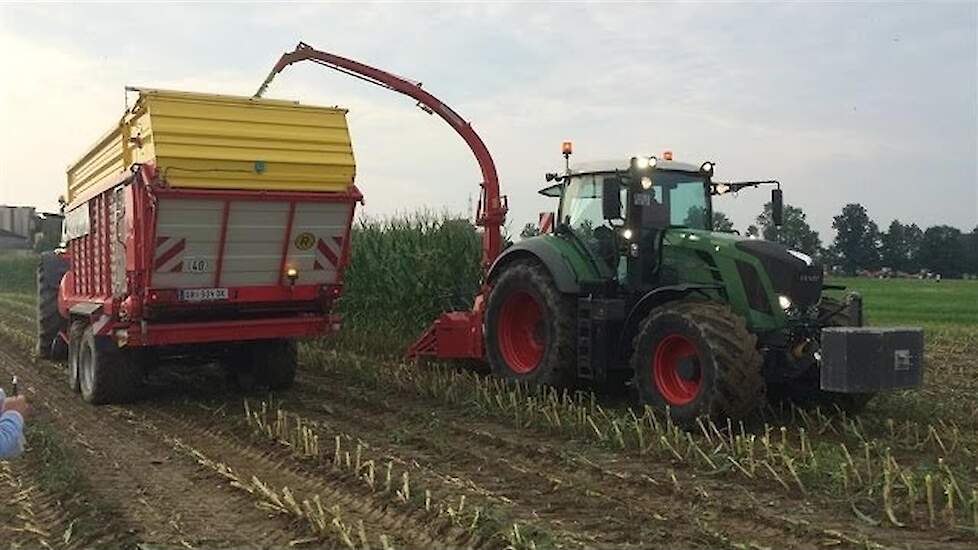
x=404, y=271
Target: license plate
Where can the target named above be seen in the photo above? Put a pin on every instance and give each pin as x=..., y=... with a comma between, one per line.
x=203, y=294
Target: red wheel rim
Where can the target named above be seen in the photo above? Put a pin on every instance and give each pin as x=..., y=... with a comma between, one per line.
x=671, y=353
x=521, y=332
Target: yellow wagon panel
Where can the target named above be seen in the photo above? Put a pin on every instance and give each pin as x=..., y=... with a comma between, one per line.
x=224, y=142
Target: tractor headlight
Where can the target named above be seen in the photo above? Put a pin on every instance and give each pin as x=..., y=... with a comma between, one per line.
x=784, y=302
x=646, y=183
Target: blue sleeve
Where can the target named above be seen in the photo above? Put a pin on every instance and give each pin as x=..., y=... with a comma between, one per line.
x=11, y=434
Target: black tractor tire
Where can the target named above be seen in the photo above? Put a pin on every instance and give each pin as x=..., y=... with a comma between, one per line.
x=275, y=363
x=696, y=358
x=75, y=333
x=530, y=327
x=50, y=270
x=805, y=391
x=106, y=374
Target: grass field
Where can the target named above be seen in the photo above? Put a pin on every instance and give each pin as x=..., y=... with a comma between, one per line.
x=933, y=305
x=17, y=273
x=414, y=455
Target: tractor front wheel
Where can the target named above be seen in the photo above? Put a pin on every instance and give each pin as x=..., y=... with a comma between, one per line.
x=530, y=327
x=697, y=358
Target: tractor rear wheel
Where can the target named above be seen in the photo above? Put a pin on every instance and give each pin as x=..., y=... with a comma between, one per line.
x=106, y=374
x=50, y=270
x=697, y=358
x=530, y=327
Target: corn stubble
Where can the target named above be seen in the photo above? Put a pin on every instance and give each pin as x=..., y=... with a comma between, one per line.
x=301, y=436
x=818, y=452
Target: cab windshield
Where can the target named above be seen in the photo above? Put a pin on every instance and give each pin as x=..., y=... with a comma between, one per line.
x=580, y=206
x=676, y=199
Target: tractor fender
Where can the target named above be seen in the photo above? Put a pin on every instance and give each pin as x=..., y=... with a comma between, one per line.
x=538, y=249
x=655, y=298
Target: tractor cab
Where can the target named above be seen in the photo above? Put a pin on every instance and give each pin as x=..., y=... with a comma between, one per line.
x=621, y=211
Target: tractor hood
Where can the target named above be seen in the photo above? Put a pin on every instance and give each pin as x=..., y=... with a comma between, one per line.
x=791, y=273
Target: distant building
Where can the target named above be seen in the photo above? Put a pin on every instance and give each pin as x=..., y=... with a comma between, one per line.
x=12, y=241
x=23, y=228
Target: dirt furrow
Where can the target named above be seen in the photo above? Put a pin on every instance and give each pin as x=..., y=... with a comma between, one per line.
x=159, y=497
x=217, y=437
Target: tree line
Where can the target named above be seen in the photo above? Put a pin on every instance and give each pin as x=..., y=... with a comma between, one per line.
x=859, y=245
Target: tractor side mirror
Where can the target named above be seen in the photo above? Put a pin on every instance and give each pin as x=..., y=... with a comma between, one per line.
x=777, y=207
x=611, y=199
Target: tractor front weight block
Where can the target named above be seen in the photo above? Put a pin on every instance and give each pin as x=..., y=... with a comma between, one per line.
x=870, y=359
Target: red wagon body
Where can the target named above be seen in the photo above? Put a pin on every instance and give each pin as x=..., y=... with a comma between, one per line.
x=152, y=265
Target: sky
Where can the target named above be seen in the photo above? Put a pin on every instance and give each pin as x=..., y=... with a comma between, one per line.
x=874, y=103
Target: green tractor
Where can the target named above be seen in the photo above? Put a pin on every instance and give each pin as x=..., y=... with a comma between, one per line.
x=634, y=285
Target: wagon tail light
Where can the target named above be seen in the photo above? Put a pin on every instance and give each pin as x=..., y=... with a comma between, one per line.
x=327, y=294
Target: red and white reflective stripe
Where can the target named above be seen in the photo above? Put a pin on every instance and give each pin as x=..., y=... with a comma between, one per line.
x=328, y=251
x=546, y=222
x=169, y=254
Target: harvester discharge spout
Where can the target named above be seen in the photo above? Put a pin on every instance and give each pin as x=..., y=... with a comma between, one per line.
x=458, y=334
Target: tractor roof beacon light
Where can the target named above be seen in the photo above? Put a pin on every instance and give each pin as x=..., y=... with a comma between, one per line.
x=667, y=155
x=567, y=148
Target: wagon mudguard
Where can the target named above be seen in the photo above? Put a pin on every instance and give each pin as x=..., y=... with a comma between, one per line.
x=541, y=250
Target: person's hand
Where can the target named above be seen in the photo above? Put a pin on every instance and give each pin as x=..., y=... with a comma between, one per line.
x=18, y=404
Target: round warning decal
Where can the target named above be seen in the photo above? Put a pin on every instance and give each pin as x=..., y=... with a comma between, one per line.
x=305, y=241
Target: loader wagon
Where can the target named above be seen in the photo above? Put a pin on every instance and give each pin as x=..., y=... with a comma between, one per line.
x=201, y=226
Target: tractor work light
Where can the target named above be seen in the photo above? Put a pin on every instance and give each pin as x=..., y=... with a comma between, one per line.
x=293, y=274
x=627, y=234
x=784, y=302
x=707, y=168
x=641, y=163
x=646, y=183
